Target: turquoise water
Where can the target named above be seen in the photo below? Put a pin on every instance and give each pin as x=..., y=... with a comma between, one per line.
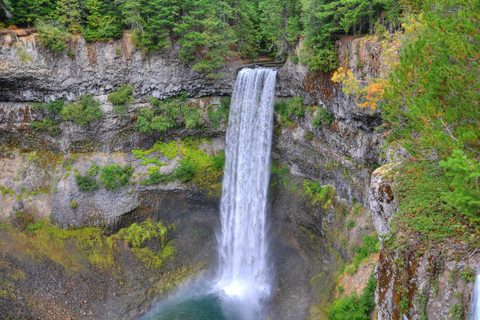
x=199, y=302
x=205, y=307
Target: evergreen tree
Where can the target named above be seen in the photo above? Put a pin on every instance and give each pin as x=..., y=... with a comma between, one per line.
x=67, y=13
x=26, y=12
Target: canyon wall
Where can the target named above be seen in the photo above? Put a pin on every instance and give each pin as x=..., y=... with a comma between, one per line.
x=310, y=239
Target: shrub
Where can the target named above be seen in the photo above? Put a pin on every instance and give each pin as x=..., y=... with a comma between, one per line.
x=191, y=116
x=221, y=110
x=355, y=307
x=290, y=107
x=86, y=183
x=54, y=106
x=52, y=37
x=121, y=97
x=83, y=112
x=463, y=174
x=219, y=161
x=185, y=171
x=166, y=113
x=47, y=125
x=322, y=117
x=93, y=169
x=114, y=176
x=73, y=204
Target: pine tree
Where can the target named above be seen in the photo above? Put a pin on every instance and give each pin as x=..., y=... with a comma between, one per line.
x=67, y=13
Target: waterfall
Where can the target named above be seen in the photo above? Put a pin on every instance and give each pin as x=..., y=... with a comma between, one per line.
x=244, y=267
x=474, y=310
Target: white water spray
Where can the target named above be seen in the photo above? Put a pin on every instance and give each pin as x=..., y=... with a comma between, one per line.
x=244, y=267
x=474, y=310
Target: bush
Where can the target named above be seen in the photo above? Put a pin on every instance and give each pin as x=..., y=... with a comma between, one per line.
x=86, y=183
x=73, y=204
x=323, y=117
x=93, y=169
x=83, y=112
x=47, y=125
x=219, y=161
x=290, y=107
x=54, y=106
x=166, y=113
x=186, y=170
x=121, y=97
x=221, y=110
x=463, y=174
x=114, y=176
x=52, y=37
x=354, y=307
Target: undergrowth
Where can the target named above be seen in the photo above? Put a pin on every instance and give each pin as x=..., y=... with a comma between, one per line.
x=91, y=245
x=294, y=107
x=353, y=306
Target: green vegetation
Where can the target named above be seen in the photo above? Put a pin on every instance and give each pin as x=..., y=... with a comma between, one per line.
x=93, y=169
x=354, y=306
x=463, y=176
x=316, y=193
x=221, y=111
x=46, y=125
x=209, y=33
x=85, y=110
x=114, y=176
x=322, y=117
x=122, y=97
x=73, y=204
x=166, y=114
x=92, y=245
x=294, y=107
x=86, y=183
x=196, y=165
x=52, y=37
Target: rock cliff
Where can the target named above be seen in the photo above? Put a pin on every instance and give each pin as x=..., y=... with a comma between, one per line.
x=312, y=239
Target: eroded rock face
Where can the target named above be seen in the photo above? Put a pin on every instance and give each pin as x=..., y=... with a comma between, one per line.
x=430, y=295
x=98, y=68
x=382, y=199
x=414, y=282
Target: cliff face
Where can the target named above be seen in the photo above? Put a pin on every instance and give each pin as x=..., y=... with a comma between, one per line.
x=312, y=238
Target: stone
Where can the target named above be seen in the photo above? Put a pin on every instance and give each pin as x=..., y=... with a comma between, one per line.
x=17, y=206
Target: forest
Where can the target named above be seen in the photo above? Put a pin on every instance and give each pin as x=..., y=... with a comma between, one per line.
x=209, y=32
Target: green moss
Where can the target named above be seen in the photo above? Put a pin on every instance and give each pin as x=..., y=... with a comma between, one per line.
x=91, y=245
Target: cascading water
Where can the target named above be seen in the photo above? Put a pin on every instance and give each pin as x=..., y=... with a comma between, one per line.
x=474, y=310
x=244, y=271
x=244, y=267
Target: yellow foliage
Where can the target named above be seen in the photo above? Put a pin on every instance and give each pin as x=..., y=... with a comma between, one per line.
x=373, y=93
